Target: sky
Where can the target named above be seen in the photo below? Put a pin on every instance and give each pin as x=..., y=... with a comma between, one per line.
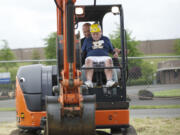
x=25, y=24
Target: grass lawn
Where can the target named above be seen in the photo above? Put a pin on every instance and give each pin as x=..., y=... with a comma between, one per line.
x=167, y=93
x=157, y=126
x=154, y=106
x=131, y=107
x=143, y=126
x=161, y=54
x=7, y=109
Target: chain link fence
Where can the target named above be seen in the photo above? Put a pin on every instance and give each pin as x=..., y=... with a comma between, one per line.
x=144, y=71
x=153, y=70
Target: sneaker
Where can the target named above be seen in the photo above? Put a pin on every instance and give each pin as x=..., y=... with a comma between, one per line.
x=110, y=83
x=89, y=84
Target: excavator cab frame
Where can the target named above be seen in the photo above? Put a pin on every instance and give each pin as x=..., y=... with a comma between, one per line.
x=109, y=100
x=96, y=13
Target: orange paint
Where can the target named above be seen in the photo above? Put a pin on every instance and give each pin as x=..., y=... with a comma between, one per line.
x=31, y=119
x=112, y=117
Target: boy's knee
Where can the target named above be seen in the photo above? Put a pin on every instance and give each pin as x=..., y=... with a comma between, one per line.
x=109, y=62
x=88, y=62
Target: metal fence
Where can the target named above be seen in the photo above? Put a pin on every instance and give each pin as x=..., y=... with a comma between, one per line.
x=141, y=70
x=152, y=70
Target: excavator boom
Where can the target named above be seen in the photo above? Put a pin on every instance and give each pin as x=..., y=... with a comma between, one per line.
x=69, y=113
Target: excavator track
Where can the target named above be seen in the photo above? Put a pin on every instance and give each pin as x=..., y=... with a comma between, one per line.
x=69, y=125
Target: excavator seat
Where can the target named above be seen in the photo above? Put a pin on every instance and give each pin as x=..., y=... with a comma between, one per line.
x=99, y=76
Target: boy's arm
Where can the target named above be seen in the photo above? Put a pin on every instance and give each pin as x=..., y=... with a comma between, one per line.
x=83, y=48
x=114, y=51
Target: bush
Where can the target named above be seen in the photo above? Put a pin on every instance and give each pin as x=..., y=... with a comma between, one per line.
x=140, y=72
x=140, y=81
x=147, y=71
x=177, y=46
x=145, y=95
x=142, y=75
x=6, y=54
x=135, y=72
x=50, y=43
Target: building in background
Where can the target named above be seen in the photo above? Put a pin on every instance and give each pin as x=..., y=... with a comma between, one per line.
x=157, y=46
x=146, y=47
x=26, y=53
x=168, y=72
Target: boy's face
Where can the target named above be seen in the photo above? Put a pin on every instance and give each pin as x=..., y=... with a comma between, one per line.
x=96, y=35
x=86, y=31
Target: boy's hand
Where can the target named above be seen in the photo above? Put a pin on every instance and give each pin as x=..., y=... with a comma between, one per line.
x=115, y=55
x=116, y=52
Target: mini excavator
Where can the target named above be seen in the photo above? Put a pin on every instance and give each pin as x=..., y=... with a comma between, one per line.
x=54, y=99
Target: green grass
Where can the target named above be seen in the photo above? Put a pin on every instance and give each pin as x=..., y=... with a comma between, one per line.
x=167, y=93
x=156, y=126
x=161, y=54
x=7, y=109
x=154, y=106
x=131, y=107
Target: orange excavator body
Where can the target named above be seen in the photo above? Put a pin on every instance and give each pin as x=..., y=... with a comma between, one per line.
x=70, y=96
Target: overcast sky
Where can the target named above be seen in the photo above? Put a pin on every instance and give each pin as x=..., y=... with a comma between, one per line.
x=24, y=24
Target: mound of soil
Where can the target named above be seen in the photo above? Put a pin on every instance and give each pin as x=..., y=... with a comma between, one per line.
x=145, y=95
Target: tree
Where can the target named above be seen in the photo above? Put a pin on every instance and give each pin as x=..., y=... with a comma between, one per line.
x=139, y=70
x=50, y=49
x=131, y=42
x=6, y=55
x=177, y=46
x=35, y=55
x=131, y=46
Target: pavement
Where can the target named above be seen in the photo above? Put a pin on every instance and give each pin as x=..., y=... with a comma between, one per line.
x=154, y=113
x=10, y=103
x=132, y=92
x=155, y=101
x=7, y=116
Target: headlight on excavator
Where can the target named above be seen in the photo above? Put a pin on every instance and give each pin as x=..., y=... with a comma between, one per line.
x=79, y=10
x=115, y=10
